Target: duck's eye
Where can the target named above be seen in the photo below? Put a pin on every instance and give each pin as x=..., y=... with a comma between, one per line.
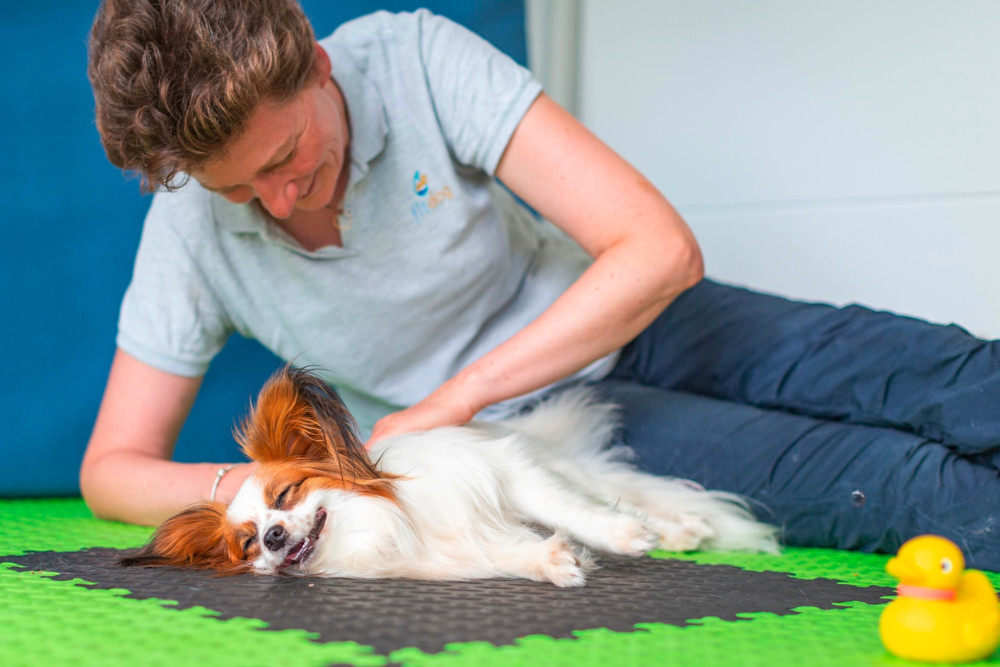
x=249, y=543
x=946, y=565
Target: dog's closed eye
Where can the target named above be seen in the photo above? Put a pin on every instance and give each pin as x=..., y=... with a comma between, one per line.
x=280, y=501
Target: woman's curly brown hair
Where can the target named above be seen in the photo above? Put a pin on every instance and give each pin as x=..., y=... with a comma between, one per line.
x=175, y=80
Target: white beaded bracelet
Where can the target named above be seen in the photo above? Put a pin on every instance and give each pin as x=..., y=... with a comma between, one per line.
x=218, y=478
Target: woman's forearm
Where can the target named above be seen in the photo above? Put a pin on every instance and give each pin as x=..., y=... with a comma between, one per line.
x=621, y=293
x=137, y=488
x=644, y=256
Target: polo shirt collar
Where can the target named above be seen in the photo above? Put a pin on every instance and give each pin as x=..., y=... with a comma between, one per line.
x=365, y=109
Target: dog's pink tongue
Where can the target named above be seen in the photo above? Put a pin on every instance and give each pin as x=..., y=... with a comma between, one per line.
x=296, y=553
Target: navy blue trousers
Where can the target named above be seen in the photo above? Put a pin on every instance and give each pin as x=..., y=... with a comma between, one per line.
x=847, y=427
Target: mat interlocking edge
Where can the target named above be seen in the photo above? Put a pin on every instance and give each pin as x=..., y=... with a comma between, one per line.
x=63, y=601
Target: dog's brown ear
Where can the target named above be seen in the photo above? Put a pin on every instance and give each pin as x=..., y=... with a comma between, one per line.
x=195, y=538
x=297, y=415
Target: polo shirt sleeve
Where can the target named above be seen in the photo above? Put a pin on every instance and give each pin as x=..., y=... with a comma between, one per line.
x=479, y=93
x=170, y=317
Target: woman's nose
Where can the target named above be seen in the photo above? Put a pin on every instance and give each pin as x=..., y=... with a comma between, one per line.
x=278, y=195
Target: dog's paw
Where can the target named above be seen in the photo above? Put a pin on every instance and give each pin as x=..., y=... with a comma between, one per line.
x=631, y=536
x=560, y=564
x=686, y=534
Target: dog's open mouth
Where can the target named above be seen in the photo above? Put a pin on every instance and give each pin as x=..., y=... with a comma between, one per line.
x=301, y=551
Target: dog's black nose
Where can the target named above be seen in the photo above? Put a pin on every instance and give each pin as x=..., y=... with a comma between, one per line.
x=274, y=538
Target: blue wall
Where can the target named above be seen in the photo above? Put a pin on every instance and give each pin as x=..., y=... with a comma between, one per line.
x=70, y=224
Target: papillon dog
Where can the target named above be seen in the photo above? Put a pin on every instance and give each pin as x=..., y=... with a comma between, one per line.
x=527, y=497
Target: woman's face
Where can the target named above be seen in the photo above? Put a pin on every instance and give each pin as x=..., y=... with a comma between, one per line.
x=291, y=154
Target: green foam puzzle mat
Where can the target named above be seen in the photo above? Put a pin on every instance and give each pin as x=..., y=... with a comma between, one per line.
x=64, y=600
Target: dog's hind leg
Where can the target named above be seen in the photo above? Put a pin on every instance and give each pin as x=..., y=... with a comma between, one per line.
x=686, y=515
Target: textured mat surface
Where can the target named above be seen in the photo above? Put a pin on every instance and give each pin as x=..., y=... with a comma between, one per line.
x=62, y=601
x=429, y=615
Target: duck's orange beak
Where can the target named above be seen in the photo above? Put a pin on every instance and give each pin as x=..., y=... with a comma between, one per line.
x=897, y=568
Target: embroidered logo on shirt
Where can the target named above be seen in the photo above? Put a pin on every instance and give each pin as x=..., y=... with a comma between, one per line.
x=420, y=183
x=427, y=201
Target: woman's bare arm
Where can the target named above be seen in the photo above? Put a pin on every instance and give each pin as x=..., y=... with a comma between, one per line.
x=644, y=257
x=127, y=474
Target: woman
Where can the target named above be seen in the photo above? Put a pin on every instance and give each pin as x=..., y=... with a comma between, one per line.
x=339, y=206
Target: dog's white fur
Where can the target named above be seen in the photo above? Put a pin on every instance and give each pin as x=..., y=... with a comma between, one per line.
x=472, y=501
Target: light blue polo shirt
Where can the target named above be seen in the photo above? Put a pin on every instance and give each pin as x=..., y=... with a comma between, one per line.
x=439, y=265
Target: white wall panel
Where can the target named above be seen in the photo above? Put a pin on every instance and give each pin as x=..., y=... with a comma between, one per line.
x=843, y=151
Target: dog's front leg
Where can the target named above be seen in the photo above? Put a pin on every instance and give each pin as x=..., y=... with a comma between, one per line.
x=548, y=498
x=551, y=559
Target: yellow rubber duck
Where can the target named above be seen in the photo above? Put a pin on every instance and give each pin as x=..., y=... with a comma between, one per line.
x=943, y=612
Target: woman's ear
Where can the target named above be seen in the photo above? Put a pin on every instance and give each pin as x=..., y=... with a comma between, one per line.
x=323, y=67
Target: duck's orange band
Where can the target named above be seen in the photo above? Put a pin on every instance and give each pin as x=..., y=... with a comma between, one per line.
x=922, y=593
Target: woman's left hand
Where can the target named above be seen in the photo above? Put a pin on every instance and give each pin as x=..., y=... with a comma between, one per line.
x=429, y=413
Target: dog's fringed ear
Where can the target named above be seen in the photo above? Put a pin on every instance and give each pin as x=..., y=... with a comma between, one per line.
x=297, y=415
x=194, y=538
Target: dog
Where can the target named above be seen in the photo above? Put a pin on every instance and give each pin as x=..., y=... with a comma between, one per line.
x=529, y=497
